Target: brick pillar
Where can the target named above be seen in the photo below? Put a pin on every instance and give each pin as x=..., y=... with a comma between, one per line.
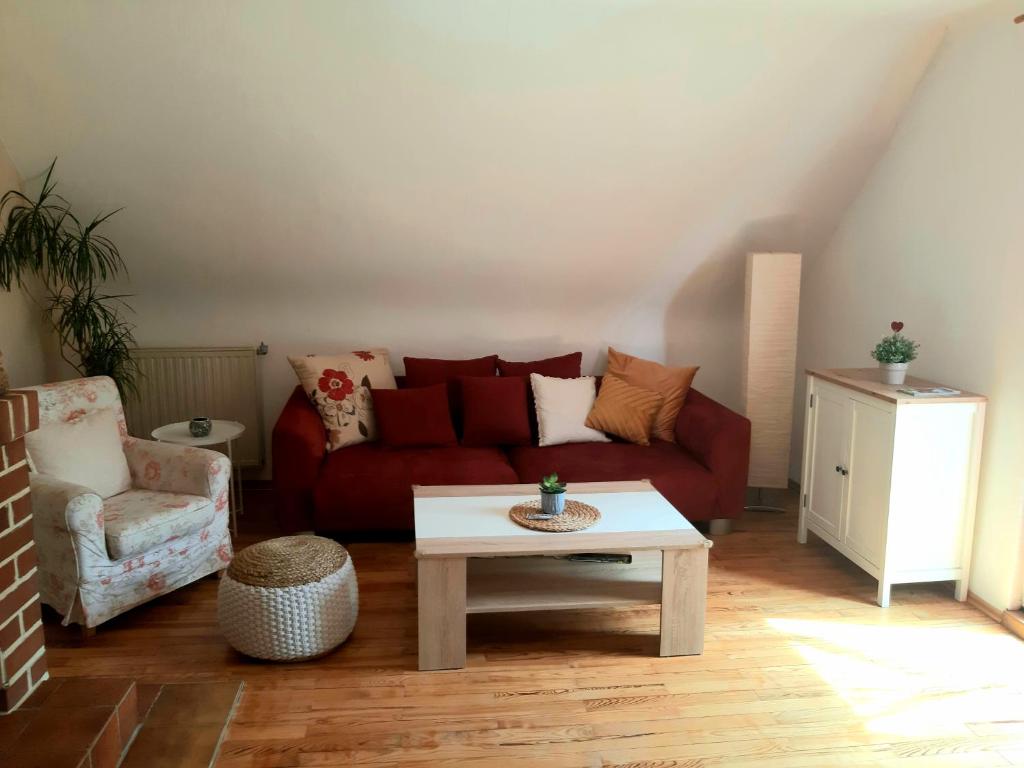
x=22, y=654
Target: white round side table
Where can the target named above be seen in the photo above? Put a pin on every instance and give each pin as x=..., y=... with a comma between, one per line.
x=221, y=431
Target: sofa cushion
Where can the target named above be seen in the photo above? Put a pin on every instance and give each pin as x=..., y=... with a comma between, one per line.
x=562, y=409
x=339, y=388
x=689, y=486
x=494, y=411
x=671, y=383
x=84, y=449
x=424, y=371
x=369, y=486
x=624, y=410
x=410, y=418
x=136, y=522
x=563, y=367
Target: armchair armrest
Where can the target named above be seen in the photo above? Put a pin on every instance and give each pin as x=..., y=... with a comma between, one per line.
x=179, y=469
x=299, y=445
x=720, y=440
x=68, y=525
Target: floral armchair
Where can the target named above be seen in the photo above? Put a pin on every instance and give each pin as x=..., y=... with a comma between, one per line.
x=101, y=557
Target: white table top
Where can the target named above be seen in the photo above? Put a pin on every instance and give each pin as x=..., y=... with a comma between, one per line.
x=221, y=432
x=480, y=526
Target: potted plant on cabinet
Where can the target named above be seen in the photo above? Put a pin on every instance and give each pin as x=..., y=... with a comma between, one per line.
x=552, y=495
x=894, y=353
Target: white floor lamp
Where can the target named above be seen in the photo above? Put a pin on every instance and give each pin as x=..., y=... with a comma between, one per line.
x=772, y=310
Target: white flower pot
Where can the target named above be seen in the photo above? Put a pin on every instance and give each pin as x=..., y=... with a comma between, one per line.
x=893, y=373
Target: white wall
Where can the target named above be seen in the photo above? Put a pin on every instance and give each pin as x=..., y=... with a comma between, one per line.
x=936, y=240
x=21, y=339
x=459, y=177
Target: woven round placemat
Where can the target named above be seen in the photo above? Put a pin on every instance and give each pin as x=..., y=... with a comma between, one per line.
x=575, y=517
x=289, y=561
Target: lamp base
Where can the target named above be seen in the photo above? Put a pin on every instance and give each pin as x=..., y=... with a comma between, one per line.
x=759, y=507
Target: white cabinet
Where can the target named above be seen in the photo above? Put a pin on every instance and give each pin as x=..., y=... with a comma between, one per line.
x=891, y=480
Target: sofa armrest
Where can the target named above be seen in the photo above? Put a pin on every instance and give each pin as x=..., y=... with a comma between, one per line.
x=720, y=440
x=179, y=469
x=67, y=522
x=298, y=445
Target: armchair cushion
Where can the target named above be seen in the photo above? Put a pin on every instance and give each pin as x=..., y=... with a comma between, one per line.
x=84, y=449
x=137, y=521
x=178, y=469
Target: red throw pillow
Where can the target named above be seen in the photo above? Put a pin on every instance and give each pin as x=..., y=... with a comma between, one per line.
x=564, y=367
x=424, y=371
x=413, y=418
x=494, y=411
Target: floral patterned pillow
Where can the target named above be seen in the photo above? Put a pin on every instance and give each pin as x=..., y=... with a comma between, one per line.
x=339, y=386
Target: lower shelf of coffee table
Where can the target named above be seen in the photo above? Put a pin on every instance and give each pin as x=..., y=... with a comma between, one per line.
x=511, y=584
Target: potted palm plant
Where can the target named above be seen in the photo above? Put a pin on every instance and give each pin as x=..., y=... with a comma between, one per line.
x=45, y=244
x=894, y=353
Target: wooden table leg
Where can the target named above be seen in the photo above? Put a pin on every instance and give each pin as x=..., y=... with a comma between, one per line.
x=684, y=595
x=441, y=597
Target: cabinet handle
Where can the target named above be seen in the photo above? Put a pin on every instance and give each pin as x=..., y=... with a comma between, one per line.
x=838, y=468
x=842, y=470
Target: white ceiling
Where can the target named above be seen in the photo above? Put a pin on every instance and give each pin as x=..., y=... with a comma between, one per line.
x=453, y=176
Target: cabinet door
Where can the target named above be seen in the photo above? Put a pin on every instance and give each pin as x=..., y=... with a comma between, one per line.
x=828, y=438
x=870, y=467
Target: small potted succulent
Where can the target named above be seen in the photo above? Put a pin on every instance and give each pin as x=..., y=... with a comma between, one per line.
x=894, y=354
x=552, y=495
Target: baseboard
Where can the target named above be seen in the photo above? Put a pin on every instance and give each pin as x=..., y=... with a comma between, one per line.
x=985, y=607
x=1012, y=620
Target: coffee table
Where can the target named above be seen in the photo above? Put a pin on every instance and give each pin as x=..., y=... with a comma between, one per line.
x=471, y=558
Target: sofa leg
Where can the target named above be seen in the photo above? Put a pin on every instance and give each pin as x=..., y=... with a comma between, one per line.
x=87, y=633
x=720, y=526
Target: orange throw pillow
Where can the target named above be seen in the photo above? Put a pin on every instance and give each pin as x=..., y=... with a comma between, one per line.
x=671, y=383
x=625, y=410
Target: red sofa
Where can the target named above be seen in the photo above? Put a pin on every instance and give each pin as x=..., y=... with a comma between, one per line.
x=367, y=487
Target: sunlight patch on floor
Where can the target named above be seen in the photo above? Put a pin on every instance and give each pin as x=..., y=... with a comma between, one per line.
x=917, y=682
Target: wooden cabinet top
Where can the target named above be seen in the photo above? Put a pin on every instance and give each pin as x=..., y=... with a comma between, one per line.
x=869, y=382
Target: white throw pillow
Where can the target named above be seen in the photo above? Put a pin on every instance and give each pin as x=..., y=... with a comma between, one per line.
x=562, y=409
x=86, y=451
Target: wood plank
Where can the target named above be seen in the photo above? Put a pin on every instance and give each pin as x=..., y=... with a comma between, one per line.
x=501, y=585
x=441, y=608
x=800, y=669
x=559, y=544
x=868, y=381
x=684, y=589
x=526, y=489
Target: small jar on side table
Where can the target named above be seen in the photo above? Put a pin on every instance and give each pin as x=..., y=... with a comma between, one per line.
x=221, y=432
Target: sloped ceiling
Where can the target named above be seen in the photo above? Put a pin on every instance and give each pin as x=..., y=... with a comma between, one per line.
x=459, y=177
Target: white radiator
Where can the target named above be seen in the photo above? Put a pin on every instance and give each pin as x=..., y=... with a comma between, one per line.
x=176, y=384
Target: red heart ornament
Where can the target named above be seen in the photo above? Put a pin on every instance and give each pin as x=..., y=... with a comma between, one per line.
x=896, y=326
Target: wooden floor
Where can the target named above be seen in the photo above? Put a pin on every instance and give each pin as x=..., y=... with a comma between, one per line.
x=800, y=669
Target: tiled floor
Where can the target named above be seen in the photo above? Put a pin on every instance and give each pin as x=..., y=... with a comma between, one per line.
x=66, y=722
x=184, y=726
x=89, y=722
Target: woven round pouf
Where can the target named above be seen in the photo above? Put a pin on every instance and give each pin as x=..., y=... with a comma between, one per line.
x=576, y=516
x=288, y=599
